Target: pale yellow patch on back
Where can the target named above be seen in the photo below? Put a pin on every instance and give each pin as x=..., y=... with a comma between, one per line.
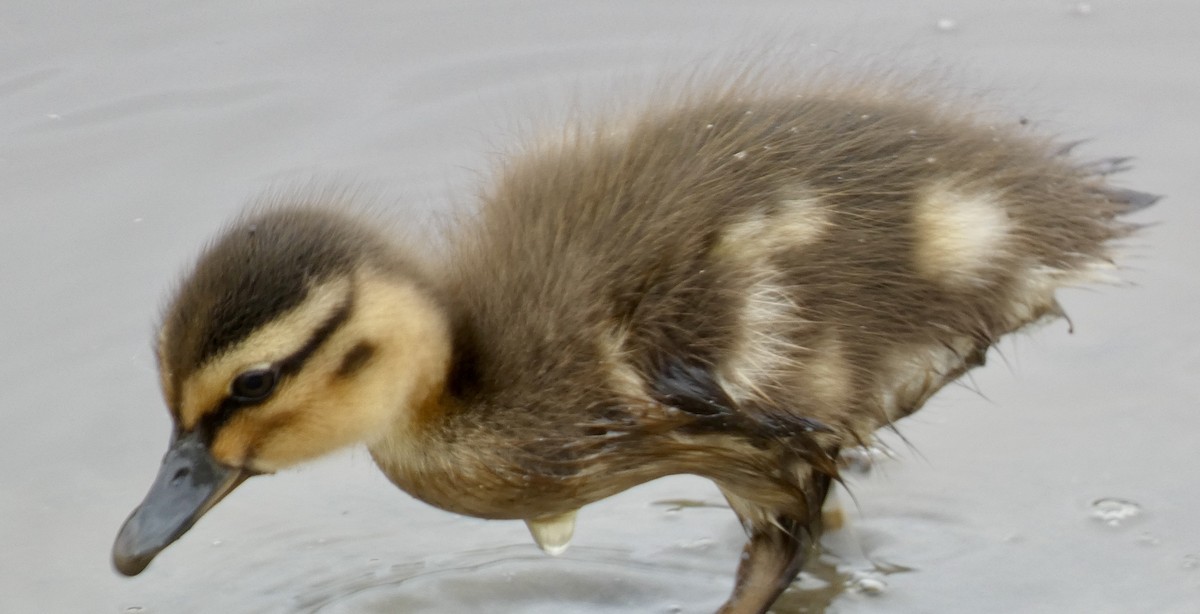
x=1033, y=291
x=798, y=219
x=765, y=356
x=624, y=378
x=913, y=373
x=960, y=235
x=828, y=373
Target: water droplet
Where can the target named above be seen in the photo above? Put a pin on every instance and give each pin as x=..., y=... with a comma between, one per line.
x=137, y=220
x=216, y=542
x=709, y=126
x=866, y=583
x=134, y=609
x=861, y=459
x=1082, y=8
x=1113, y=512
x=947, y=24
x=1191, y=561
x=53, y=116
x=741, y=155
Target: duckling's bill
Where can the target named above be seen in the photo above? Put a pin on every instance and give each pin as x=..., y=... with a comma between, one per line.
x=189, y=482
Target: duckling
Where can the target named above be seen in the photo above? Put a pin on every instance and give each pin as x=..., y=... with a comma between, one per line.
x=737, y=285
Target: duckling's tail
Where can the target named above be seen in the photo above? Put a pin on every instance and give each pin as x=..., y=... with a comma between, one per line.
x=1129, y=200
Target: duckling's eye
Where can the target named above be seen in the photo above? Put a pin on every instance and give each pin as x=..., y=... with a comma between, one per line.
x=254, y=385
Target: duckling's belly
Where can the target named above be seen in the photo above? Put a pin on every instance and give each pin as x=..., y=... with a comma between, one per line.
x=490, y=473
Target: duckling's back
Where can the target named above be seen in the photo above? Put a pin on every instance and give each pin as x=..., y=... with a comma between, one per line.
x=839, y=256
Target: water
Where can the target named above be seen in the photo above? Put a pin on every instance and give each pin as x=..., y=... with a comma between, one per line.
x=131, y=131
x=946, y=24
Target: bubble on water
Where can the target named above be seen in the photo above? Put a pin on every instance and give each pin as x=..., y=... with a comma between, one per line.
x=946, y=24
x=1113, y=511
x=807, y=581
x=866, y=583
x=1191, y=561
x=1082, y=8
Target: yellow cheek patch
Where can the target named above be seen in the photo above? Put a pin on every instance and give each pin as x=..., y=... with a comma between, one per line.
x=378, y=374
x=408, y=369
x=249, y=438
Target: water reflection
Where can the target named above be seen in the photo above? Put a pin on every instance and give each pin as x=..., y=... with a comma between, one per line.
x=521, y=579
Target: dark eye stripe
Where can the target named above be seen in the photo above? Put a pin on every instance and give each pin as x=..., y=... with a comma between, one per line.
x=356, y=358
x=212, y=422
x=292, y=364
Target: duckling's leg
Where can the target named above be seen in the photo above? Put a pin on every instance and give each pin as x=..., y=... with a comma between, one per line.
x=779, y=544
x=776, y=483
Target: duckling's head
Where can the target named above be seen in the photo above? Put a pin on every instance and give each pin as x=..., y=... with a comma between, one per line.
x=299, y=331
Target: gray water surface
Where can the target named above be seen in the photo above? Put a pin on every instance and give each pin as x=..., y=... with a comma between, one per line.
x=1062, y=478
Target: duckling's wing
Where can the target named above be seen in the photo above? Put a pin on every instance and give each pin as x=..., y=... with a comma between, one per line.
x=705, y=408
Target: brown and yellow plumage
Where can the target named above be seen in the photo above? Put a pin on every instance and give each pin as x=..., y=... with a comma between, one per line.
x=736, y=285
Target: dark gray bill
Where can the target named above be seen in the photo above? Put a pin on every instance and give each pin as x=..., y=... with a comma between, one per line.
x=189, y=483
